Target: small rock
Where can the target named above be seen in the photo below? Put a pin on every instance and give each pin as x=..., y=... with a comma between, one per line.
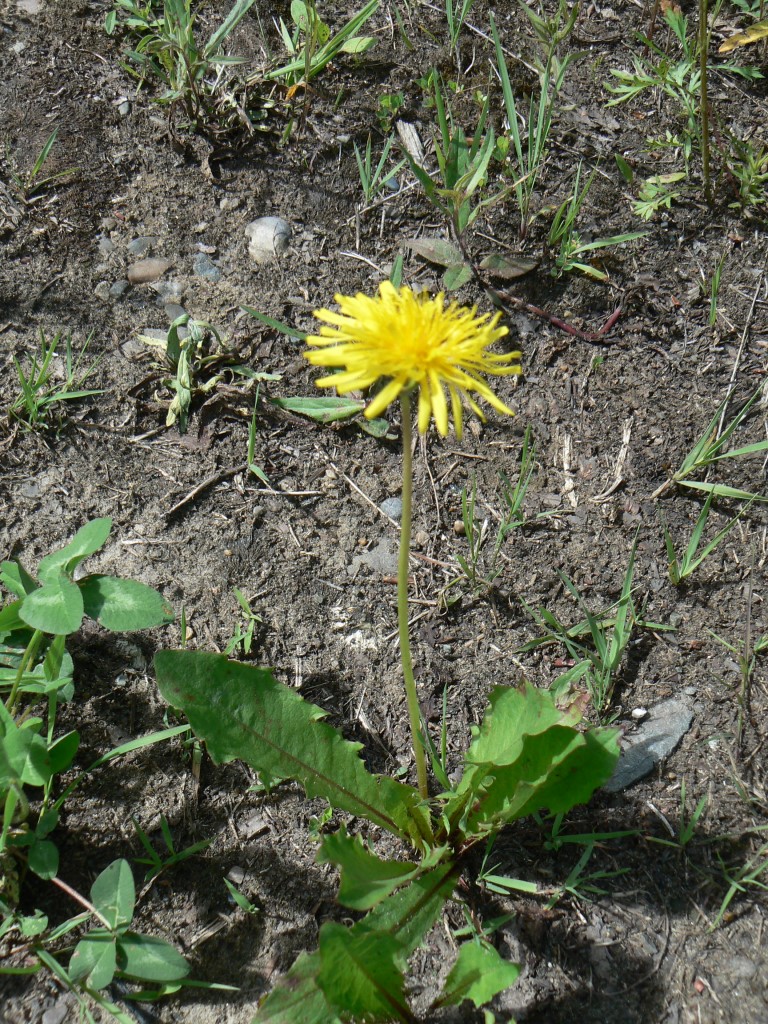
x=380, y=559
x=268, y=237
x=202, y=247
x=656, y=738
x=145, y=271
x=168, y=291
x=201, y=227
x=639, y=714
x=173, y=311
x=458, y=528
x=55, y=1014
x=118, y=289
x=392, y=507
x=236, y=875
x=230, y=203
x=106, y=245
x=124, y=108
x=138, y=246
x=101, y=291
x=203, y=266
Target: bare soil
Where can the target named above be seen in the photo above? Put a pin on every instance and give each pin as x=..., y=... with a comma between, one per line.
x=610, y=419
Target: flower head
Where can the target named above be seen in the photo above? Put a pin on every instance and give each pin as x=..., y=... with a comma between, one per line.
x=413, y=341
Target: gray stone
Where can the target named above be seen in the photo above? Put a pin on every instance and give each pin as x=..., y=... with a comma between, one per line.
x=380, y=559
x=124, y=108
x=656, y=738
x=268, y=237
x=168, y=291
x=118, y=289
x=106, y=245
x=56, y=1014
x=140, y=245
x=101, y=291
x=173, y=311
x=203, y=266
x=392, y=507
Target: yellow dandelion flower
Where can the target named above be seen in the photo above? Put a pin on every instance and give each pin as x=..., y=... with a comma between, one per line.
x=412, y=341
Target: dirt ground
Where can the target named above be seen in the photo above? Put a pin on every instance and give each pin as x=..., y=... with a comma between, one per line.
x=610, y=418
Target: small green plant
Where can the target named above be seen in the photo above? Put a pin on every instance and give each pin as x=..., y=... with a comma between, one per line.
x=747, y=166
x=710, y=449
x=311, y=45
x=243, y=637
x=109, y=950
x=375, y=179
x=563, y=235
x=169, y=52
x=740, y=878
x=390, y=105
x=31, y=184
x=683, y=80
x=456, y=14
x=196, y=352
x=528, y=156
x=596, y=665
x=36, y=671
x=686, y=825
x=156, y=863
x=714, y=290
x=658, y=193
x=45, y=386
x=681, y=569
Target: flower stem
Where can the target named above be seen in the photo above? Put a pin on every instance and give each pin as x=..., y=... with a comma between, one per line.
x=402, y=600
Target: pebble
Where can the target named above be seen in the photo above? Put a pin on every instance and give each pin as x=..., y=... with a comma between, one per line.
x=56, y=1014
x=203, y=266
x=236, y=875
x=173, y=311
x=101, y=291
x=106, y=245
x=124, y=108
x=267, y=237
x=230, y=203
x=145, y=271
x=138, y=246
x=459, y=528
x=118, y=289
x=168, y=291
x=639, y=714
x=392, y=507
x=654, y=740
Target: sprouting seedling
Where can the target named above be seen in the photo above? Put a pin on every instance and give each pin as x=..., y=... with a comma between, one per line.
x=157, y=863
x=711, y=449
x=686, y=825
x=680, y=569
x=563, y=234
x=41, y=390
x=32, y=184
x=243, y=636
x=374, y=179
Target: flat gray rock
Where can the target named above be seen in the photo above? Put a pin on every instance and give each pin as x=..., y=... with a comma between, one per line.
x=654, y=740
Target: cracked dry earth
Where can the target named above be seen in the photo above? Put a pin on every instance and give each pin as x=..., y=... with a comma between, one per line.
x=610, y=417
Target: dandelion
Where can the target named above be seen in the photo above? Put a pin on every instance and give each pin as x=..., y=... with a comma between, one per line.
x=412, y=342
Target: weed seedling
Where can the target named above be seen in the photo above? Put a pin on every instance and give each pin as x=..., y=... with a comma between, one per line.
x=157, y=863
x=375, y=179
x=711, y=449
x=243, y=637
x=43, y=386
x=31, y=184
x=687, y=825
x=692, y=558
x=563, y=235
x=527, y=160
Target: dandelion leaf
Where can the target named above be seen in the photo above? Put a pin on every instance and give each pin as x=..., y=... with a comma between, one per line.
x=479, y=974
x=528, y=755
x=243, y=712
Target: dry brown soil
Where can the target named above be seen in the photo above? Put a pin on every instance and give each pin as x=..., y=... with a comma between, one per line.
x=610, y=420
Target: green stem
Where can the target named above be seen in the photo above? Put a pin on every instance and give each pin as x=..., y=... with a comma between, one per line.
x=414, y=716
x=704, y=95
x=28, y=658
